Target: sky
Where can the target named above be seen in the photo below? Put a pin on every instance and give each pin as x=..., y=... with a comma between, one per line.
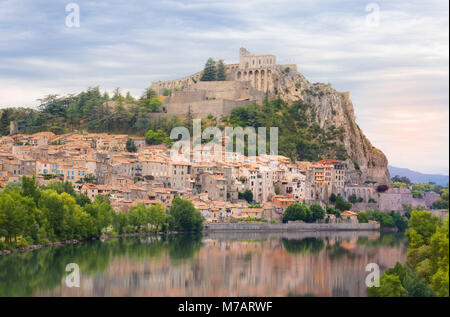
x=393, y=56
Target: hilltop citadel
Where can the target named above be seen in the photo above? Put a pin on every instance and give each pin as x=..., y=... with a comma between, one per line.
x=247, y=82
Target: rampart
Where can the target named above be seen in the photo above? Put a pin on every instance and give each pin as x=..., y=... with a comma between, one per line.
x=281, y=227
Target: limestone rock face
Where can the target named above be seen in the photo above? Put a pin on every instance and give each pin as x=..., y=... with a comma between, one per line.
x=333, y=108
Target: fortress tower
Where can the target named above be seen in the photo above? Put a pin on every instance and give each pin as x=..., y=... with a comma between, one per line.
x=256, y=69
x=247, y=60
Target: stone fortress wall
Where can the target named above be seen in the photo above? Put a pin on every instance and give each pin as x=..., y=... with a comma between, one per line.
x=247, y=82
x=393, y=199
x=211, y=97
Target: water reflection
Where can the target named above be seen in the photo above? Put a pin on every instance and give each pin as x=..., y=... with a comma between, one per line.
x=215, y=264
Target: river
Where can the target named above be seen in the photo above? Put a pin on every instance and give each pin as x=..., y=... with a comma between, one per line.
x=212, y=264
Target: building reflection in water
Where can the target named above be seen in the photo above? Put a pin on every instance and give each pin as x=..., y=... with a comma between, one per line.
x=242, y=264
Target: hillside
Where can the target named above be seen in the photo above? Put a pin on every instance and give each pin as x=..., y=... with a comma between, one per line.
x=333, y=110
x=315, y=121
x=417, y=177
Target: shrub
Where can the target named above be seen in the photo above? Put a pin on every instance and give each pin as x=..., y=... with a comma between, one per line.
x=297, y=212
x=341, y=204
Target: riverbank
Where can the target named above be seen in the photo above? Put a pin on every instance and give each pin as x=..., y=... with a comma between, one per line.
x=282, y=227
x=223, y=227
x=75, y=241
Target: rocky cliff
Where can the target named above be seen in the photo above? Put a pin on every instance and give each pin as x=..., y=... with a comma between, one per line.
x=330, y=109
x=333, y=108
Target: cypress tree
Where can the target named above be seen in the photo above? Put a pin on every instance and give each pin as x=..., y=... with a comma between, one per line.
x=210, y=72
x=221, y=75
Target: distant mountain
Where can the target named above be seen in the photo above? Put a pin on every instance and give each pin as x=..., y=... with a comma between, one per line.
x=417, y=177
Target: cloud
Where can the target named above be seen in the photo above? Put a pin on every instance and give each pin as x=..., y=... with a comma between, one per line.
x=396, y=72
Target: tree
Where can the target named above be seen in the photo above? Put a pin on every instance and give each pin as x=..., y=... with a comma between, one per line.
x=400, y=281
x=29, y=188
x=12, y=217
x=149, y=93
x=402, y=179
x=52, y=207
x=120, y=222
x=317, y=212
x=422, y=225
x=155, y=137
x=296, y=212
x=117, y=96
x=209, y=72
x=184, y=217
x=152, y=104
x=333, y=198
x=390, y=286
x=130, y=146
x=158, y=217
x=353, y=199
x=221, y=75
x=247, y=195
x=332, y=211
x=341, y=204
x=129, y=98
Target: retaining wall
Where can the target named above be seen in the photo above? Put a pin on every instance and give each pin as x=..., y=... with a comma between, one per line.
x=280, y=227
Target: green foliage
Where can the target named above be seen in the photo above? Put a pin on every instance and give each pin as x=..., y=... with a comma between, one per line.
x=400, y=281
x=404, y=180
x=341, y=204
x=389, y=220
x=54, y=212
x=250, y=219
x=247, y=195
x=332, y=211
x=300, y=137
x=88, y=110
x=157, y=137
x=427, y=265
x=184, y=217
x=390, y=286
x=27, y=273
x=399, y=185
x=130, y=146
x=141, y=219
x=317, y=212
x=304, y=213
x=423, y=187
x=443, y=202
x=221, y=75
x=210, y=71
x=303, y=246
x=333, y=198
x=353, y=199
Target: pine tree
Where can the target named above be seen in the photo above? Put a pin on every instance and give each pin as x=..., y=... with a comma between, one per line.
x=190, y=120
x=221, y=75
x=130, y=146
x=210, y=72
